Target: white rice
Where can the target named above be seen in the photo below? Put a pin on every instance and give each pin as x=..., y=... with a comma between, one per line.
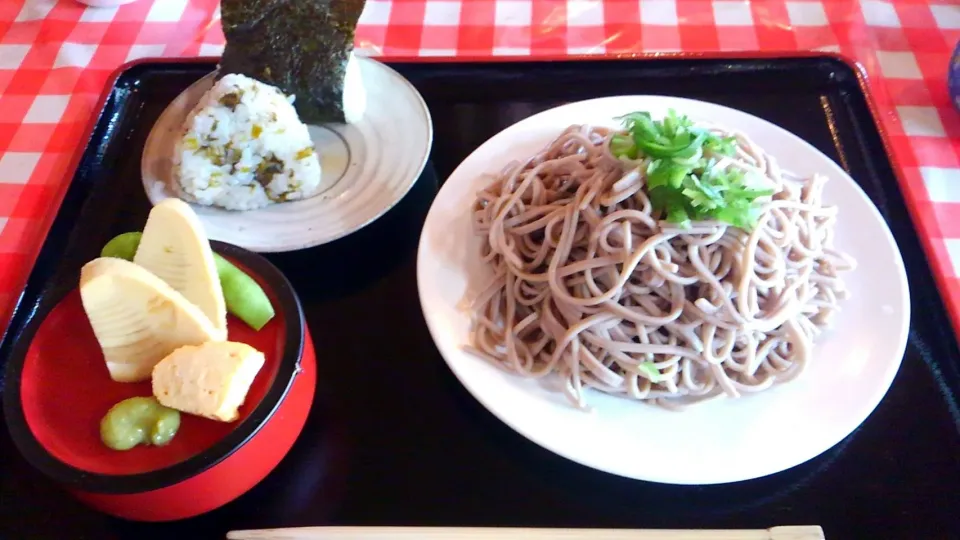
x=244, y=147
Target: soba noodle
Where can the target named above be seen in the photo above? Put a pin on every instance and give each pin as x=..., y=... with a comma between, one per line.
x=589, y=284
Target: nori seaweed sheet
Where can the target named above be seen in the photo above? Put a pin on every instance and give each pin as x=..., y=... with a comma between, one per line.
x=299, y=46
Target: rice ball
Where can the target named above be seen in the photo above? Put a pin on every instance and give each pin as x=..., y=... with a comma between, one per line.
x=244, y=147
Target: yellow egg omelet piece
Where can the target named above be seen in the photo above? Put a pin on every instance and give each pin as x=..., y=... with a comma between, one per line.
x=209, y=380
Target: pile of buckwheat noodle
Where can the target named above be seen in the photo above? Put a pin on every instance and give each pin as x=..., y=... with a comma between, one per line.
x=589, y=284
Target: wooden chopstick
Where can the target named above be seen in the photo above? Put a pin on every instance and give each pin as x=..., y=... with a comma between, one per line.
x=811, y=532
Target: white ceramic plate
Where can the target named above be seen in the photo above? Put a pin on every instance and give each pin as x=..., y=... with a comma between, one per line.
x=724, y=440
x=368, y=166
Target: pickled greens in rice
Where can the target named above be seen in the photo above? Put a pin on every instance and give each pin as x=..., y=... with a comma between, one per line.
x=243, y=147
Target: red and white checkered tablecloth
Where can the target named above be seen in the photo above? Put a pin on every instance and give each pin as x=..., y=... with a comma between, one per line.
x=56, y=56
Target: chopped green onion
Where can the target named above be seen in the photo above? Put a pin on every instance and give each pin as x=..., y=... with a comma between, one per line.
x=684, y=181
x=623, y=146
x=650, y=370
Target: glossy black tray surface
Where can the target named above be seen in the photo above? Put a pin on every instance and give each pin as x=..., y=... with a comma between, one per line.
x=393, y=439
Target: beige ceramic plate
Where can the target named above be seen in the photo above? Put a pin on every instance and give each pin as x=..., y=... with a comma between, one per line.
x=368, y=166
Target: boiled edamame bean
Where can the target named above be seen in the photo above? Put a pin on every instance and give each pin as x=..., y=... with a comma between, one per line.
x=123, y=246
x=244, y=297
x=138, y=420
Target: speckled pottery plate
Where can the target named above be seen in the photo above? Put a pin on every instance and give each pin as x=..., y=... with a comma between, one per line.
x=368, y=166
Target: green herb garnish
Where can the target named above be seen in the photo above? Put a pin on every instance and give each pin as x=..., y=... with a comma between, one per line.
x=650, y=370
x=684, y=181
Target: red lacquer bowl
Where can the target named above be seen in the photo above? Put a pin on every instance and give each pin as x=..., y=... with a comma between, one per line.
x=58, y=389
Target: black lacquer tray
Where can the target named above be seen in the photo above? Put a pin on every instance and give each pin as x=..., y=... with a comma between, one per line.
x=393, y=439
